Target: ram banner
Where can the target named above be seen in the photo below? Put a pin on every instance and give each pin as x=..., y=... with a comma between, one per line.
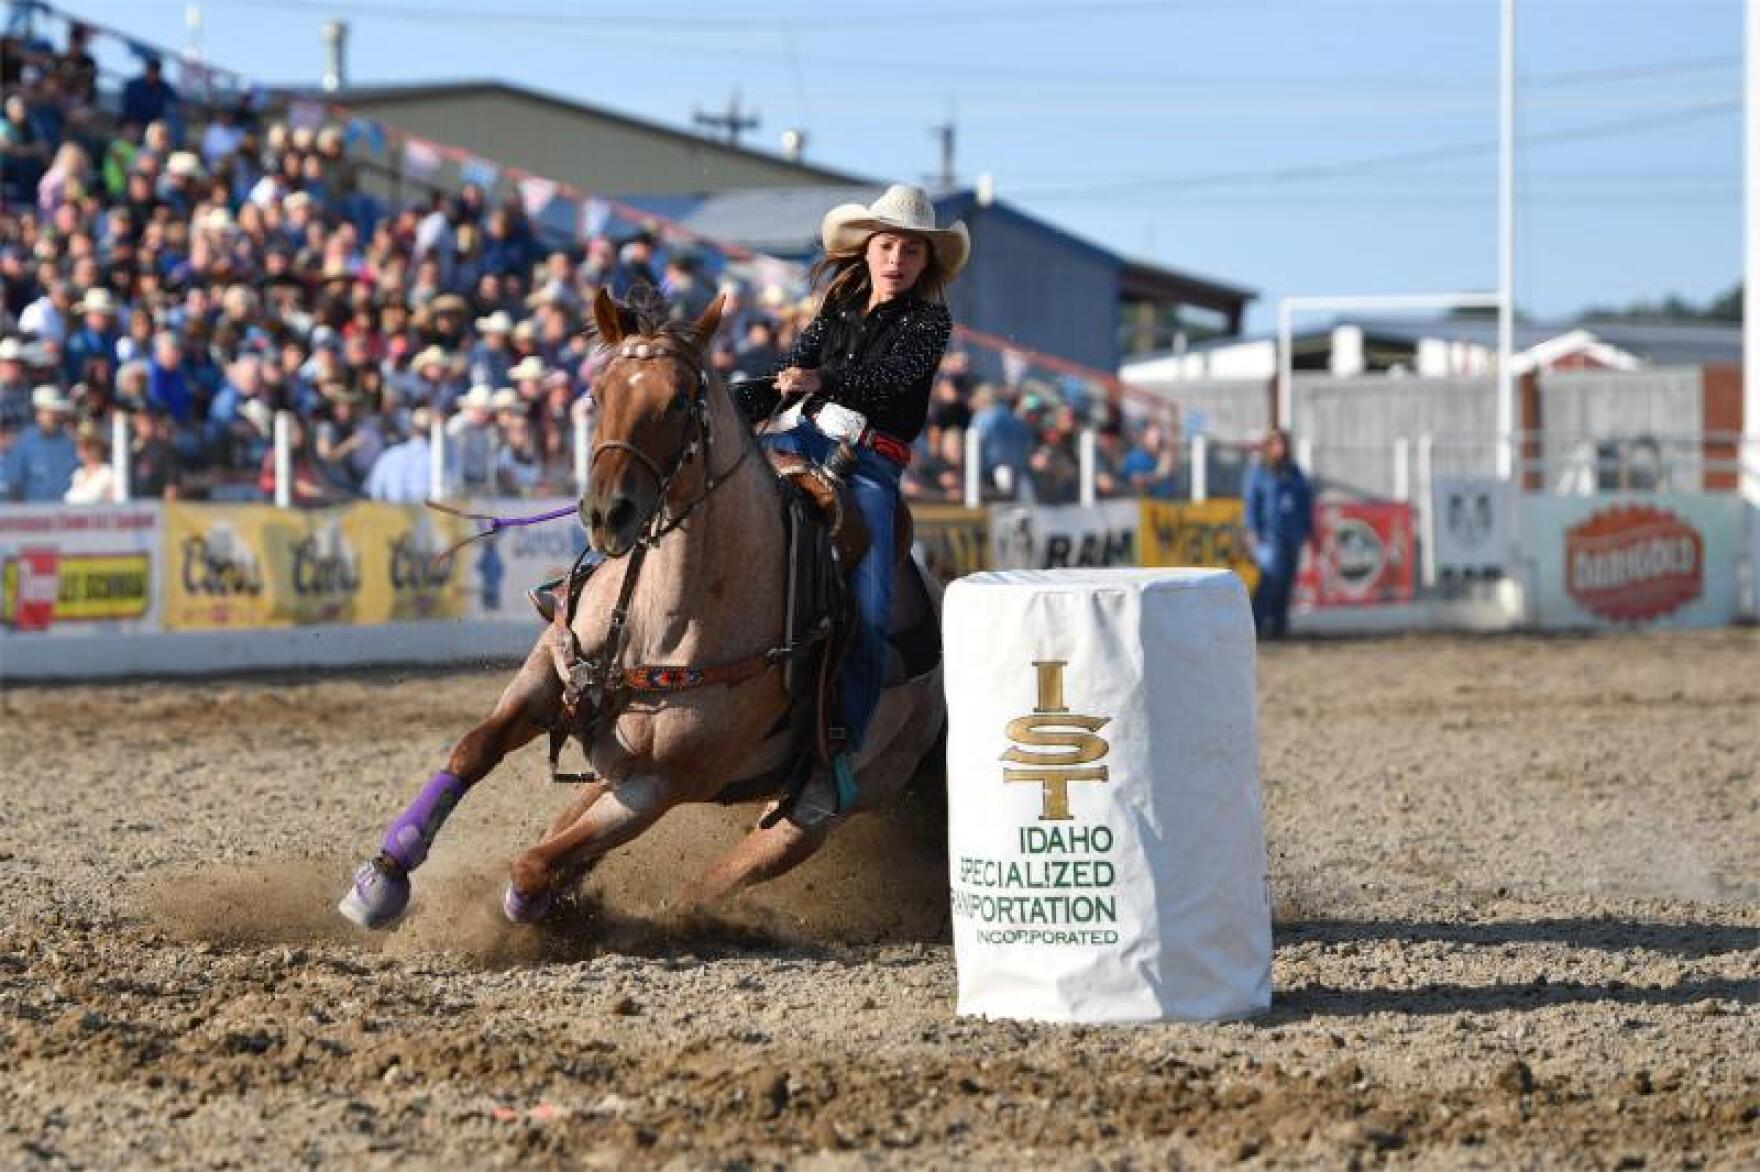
x=1051, y=537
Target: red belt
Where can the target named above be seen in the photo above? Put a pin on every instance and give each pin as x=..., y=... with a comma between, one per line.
x=889, y=447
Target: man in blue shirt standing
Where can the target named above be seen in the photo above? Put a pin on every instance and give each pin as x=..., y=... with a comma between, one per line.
x=403, y=472
x=1280, y=520
x=39, y=466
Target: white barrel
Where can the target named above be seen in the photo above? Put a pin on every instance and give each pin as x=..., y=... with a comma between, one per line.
x=1105, y=834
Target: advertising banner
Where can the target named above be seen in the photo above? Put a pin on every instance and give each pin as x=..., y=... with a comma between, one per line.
x=953, y=541
x=79, y=569
x=1362, y=554
x=1197, y=533
x=503, y=568
x=1633, y=560
x=242, y=566
x=1046, y=537
x=1473, y=528
x=1105, y=844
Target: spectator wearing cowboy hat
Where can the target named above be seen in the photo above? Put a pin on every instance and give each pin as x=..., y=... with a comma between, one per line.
x=39, y=466
x=434, y=383
x=872, y=349
x=527, y=377
x=471, y=434
x=97, y=334
x=519, y=465
x=490, y=358
x=349, y=438
x=15, y=385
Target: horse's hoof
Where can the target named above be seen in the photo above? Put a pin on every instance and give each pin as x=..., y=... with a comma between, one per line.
x=377, y=898
x=524, y=909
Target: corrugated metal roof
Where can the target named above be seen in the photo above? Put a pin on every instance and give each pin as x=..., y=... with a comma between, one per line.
x=781, y=221
x=1657, y=343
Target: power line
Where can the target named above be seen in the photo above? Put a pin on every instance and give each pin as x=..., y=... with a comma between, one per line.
x=602, y=28
x=1374, y=163
x=718, y=18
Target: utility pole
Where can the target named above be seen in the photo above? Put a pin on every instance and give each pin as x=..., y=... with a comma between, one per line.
x=192, y=23
x=335, y=35
x=731, y=124
x=1508, y=441
x=945, y=132
x=1749, y=449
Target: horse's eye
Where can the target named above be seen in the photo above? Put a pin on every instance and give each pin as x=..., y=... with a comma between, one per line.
x=681, y=403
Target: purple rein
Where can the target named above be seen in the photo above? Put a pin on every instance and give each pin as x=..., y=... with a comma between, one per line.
x=495, y=524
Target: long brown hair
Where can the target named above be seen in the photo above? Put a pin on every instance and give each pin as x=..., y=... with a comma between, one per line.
x=845, y=274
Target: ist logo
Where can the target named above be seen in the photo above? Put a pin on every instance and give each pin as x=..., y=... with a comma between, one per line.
x=1054, y=746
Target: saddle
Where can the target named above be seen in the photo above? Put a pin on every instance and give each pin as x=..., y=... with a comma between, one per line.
x=849, y=529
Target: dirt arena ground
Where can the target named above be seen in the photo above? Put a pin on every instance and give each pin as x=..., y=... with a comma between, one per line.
x=1517, y=885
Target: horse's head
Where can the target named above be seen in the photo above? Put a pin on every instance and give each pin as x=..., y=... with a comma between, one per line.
x=652, y=418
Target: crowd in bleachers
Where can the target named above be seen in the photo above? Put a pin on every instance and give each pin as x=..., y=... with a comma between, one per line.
x=201, y=270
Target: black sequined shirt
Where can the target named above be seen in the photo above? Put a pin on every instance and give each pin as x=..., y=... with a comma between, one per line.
x=881, y=363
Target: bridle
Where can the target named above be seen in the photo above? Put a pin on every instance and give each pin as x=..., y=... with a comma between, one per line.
x=599, y=679
x=699, y=436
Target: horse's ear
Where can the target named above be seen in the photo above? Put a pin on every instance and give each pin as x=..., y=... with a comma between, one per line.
x=710, y=322
x=606, y=318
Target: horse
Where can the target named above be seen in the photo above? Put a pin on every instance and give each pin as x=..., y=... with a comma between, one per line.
x=688, y=518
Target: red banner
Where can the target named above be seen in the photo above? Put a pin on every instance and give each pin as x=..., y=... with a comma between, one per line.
x=1634, y=563
x=1363, y=554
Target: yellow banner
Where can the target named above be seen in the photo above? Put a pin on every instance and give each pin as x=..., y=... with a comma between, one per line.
x=241, y=566
x=955, y=540
x=1197, y=533
x=91, y=587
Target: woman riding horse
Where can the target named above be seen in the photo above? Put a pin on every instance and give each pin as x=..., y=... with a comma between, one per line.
x=873, y=348
x=670, y=676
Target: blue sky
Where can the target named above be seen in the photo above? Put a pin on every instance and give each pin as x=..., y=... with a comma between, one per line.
x=1263, y=142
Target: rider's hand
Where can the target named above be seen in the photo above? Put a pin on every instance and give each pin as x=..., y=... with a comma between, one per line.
x=795, y=381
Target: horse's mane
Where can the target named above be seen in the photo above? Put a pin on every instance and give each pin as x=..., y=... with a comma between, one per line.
x=648, y=313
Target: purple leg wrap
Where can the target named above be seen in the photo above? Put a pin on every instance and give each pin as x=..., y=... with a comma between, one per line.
x=409, y=838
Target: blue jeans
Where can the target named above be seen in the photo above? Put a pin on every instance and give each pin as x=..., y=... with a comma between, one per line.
x=1278, y=563
x=874, y=485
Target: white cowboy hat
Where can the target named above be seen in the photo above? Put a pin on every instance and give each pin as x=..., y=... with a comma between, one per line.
x=531, y=366
x=184, y=165
x=48, y=397
x=496, y=323
x=507, y=399
x=258, y=414
x=11, y=350
x=432, y=356
x=97, y=300
x=479, y=398
x=902, y=209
